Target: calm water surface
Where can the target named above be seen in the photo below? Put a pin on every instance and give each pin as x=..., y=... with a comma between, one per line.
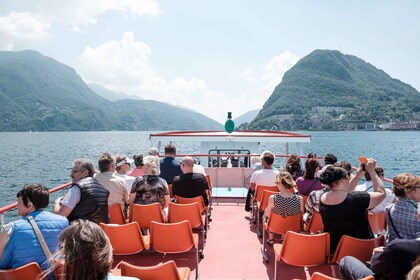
x=46, y=157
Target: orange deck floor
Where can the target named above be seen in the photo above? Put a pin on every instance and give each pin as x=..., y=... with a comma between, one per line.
x=232, y=251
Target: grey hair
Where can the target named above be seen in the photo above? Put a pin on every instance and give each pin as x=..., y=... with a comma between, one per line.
x=85, y=164
x=153, y=165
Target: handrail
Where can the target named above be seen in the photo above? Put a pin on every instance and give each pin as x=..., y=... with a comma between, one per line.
x=14, y=204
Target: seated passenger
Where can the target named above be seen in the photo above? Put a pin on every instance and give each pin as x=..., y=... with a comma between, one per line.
x=19, y=244
x=169, y=166
x=190, y=184
x=344, y=212
x=150, y=188
x=391, y=262
x=293, y=166
x=86, y=253
x=262, y=177
x=87, y=198
x=138, y=162
x=368, y=187
x=402, y=218
x=309, y=181
x=283, y=203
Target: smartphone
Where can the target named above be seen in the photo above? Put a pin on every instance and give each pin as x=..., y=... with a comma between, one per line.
x=363, y=161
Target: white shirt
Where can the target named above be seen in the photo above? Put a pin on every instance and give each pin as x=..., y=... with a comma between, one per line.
x=264, y=177
x=128, y=179
x=389, y=196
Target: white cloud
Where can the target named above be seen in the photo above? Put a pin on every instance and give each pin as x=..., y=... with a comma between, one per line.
x=16, y=28
x=124, y=66
x=273, y=72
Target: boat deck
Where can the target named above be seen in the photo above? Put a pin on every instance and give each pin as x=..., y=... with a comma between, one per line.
x=232, y=250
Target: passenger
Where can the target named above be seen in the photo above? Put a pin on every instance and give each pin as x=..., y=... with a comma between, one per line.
x=368, y=187
x=391, y=262
x=256, y=163
x=283, y=203
x=117, y=187
x=312, y=155
x=153, y=151
x=150, y=188
x=122, y=169
x=309, y=181
x=344, y=212
x=402, y=218
x=19, y=244
x=138, y=162
x=190, y=184
x=263, y=177
x=330, y=159
x=169, y=166
x=87, y=198
x=293, y=166
x=86, y=253
x=414, y=273
x=198, y=168
x=312, y=204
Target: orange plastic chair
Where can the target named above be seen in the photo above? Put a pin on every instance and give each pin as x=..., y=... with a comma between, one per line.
x=315, y=224
x=315, y=246
x=126, y=239
x=320, y=276
x=209, y=192
x=143, y=214
x=190, y=212
x=167, y=270
x=377, y=222
x=116, y=215
x=278, y=224
x=304, y=199
x=171, y=194
x=174, y=238
x=259, y=190
x=261, y=206
x=358, y=248
x=199, y=199
x=27, y=271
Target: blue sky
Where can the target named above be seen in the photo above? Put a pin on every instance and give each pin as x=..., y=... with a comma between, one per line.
x=211, y=56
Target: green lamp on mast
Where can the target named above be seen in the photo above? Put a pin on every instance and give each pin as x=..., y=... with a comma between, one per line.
x=229, y=124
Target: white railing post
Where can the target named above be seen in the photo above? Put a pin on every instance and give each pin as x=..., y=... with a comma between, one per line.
x=1, y=221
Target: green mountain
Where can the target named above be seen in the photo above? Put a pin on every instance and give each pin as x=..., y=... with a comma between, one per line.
x=39, y=93
x=109, y=94
x=330, y=90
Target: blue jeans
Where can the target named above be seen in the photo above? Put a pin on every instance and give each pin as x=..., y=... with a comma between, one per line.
x=353, y=269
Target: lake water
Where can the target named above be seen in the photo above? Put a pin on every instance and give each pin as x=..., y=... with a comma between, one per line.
x=46, y=157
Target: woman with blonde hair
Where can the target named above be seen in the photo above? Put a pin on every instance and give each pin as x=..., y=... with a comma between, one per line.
x=402, y=217
x=283, y=203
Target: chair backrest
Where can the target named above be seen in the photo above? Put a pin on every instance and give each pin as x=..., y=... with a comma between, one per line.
x=167, y=270
x=264, y=199
x=208, y=179
x=377, y=222
x=181, y=212
x=320, y=276
x=172, y=238
x=171, y=193
x=259, y=190
x=184, y=200
x=144, y=214
x=125, y=239
x=315, y=224
x=358, y=248
x=279, y=224
x=116, y=215
x=27, y=271
x=315, y=246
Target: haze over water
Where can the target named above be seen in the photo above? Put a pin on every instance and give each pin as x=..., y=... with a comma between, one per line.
x=46, y=157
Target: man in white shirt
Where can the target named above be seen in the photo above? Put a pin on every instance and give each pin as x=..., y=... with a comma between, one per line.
x=368, y=187
x=117, y=187
x=262, y=177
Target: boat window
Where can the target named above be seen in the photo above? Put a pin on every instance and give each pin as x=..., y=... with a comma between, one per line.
x=228, y=155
